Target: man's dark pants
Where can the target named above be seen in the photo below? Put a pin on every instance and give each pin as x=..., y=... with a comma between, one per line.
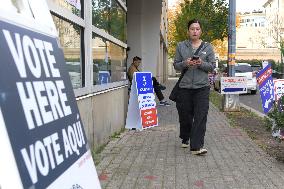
x=157, y=89
x=192, y=106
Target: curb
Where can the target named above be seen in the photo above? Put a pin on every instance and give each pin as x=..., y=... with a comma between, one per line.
x=253, y=110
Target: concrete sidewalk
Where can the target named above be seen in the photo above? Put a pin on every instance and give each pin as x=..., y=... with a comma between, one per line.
x=154, y=159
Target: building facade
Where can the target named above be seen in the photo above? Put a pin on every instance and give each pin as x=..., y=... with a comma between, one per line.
x=252, y=38
x=251, y=31
x=95, y=36
x=275, y=16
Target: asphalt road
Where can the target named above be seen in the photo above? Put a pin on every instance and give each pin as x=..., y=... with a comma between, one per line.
x=253, y=101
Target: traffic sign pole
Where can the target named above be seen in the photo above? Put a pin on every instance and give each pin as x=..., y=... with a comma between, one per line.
x=231, y=101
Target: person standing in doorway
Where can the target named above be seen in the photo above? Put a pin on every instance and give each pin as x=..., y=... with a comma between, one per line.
x=156, y=85
x=193, y=100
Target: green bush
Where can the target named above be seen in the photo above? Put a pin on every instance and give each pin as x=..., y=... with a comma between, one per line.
x=277, y=113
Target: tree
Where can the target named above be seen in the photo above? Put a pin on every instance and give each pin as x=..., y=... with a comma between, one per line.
x=275, y=33
x=213, y=15
x=221, y=46
x=172, y=14
x=108, y=15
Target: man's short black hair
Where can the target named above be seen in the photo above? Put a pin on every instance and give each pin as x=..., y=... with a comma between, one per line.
x=136, y=58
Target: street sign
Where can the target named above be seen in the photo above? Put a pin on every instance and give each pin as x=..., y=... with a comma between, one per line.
x=233, y=85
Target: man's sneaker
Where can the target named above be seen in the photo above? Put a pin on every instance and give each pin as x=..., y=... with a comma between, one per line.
x=162, y=87
x=201, y=151
x=184, y=144
x=164, y=103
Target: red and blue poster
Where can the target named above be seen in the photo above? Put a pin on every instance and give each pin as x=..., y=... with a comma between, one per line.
x=142, y=111
x=266, y=89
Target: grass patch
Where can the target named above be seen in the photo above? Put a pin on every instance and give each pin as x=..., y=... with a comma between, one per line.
x=216, y=99
x=97, y=151
x=256, y=127
x=117, y=134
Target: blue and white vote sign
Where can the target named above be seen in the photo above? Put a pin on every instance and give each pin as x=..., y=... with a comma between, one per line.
x=266, y=89
x=43, y=143
x=144, y=82
x=142, y=112
x=104, y=77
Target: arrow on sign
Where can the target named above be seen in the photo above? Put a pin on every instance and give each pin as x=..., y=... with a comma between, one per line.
x=234, y=89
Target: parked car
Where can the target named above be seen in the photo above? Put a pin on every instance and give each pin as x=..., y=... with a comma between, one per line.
x=241, y=70
x=256, y=68
x=277, y=75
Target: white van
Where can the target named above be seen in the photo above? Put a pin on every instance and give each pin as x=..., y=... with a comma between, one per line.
x=241, y=70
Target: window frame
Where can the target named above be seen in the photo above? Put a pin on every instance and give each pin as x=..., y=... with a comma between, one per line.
x=85, y=21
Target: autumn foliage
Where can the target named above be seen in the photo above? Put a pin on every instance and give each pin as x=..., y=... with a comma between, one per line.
x=213, y=15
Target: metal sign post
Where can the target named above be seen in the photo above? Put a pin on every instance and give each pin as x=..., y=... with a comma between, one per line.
x=231, y=101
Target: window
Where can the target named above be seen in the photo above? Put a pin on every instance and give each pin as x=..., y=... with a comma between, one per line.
x=109, y=61
x=73, y=6
x=108, y=57
x=262, y=24
x=70, y=36
x=109, y=16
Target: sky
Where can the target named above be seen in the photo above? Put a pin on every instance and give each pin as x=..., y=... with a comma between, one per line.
x=241, y=5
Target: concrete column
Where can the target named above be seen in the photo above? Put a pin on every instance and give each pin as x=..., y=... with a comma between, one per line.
x=143, y=32
x=151, y=20
x=134, y=24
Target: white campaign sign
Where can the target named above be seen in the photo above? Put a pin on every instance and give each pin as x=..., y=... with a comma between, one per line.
x=7, y=161
x=133, y=115
x=278, y=88
x=233, y=85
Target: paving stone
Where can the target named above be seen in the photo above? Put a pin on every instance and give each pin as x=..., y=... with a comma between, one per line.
x=153, y=158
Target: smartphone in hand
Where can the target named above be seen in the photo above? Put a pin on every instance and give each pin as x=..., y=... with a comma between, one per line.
x=195, y=57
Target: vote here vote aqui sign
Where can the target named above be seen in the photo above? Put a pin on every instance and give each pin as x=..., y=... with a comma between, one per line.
x=38, y=108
